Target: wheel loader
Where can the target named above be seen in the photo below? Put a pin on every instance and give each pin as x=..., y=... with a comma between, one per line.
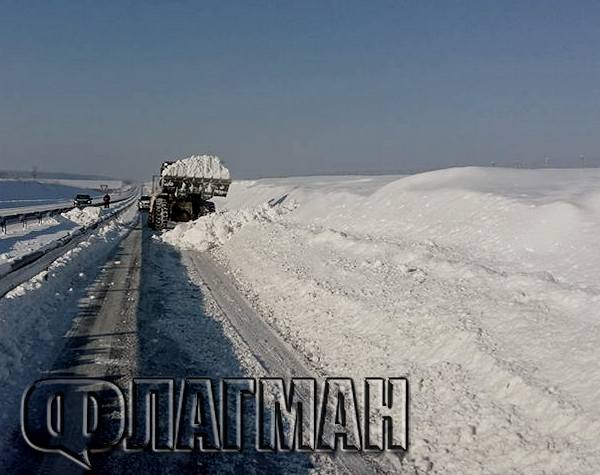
x=179, y=196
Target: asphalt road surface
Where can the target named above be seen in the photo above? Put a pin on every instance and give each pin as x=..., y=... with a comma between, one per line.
x=145, y=317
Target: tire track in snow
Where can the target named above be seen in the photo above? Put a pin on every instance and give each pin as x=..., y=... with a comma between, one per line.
x=276, y=357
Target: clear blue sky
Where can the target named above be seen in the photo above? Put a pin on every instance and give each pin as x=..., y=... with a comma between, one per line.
x=289, y=87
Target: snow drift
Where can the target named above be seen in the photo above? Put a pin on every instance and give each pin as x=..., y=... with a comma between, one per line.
x=215, y=229
x=198, y=166
x=479, y=285
x=85, y=216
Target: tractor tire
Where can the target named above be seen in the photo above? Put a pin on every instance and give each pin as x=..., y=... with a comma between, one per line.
x=161, y=214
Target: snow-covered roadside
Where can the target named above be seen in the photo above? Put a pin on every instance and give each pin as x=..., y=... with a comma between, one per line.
x=480, y=285
x=19, y=241
x=205, y=234
x=35, y=315
x=85, y=216
x=31, y=196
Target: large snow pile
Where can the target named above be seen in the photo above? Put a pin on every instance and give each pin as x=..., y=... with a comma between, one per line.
x=198, y=166
x=19, y=241
x=85, y=216
x=215, y=229
x=480, y=285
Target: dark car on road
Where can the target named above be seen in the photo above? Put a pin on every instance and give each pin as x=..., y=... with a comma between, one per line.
x=81, y=200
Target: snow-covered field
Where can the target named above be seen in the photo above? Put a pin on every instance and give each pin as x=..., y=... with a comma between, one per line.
x=480, y=285
x=84, y=184
x=25, y=193
x=20, y=196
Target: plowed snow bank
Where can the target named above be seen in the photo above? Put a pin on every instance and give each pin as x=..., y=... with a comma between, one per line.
x=85, y=216
x=480, y=285
x=215, y=229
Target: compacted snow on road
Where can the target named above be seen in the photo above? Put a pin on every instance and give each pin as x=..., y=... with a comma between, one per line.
x=35, y=316
x=479, y=285
x=124, y=305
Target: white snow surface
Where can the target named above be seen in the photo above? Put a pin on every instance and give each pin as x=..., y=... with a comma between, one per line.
x=29, y=339
x=22, y=196
x=87, y=184
x=85, y=216
x=204, y=234
x=26, y=193
x=479, y=285
x=198, y=166
x=19, y=240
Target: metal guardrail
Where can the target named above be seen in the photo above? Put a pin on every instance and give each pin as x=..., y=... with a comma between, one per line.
x=15, y=272
x=39, y=216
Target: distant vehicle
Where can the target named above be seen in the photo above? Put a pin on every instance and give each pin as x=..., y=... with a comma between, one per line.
x=81, y=200
x=144, y=202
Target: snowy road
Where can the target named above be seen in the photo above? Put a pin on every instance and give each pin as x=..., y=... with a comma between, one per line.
x=274, y=355
x=466, y=281
x=478, y=285
x=148, y=313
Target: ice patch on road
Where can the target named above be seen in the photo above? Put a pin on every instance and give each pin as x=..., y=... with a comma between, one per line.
x=215, y=229
x=85, y=216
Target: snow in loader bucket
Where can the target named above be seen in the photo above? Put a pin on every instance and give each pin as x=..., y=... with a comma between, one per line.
x=182, y=190
x=197, y=166
x=199, y=175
